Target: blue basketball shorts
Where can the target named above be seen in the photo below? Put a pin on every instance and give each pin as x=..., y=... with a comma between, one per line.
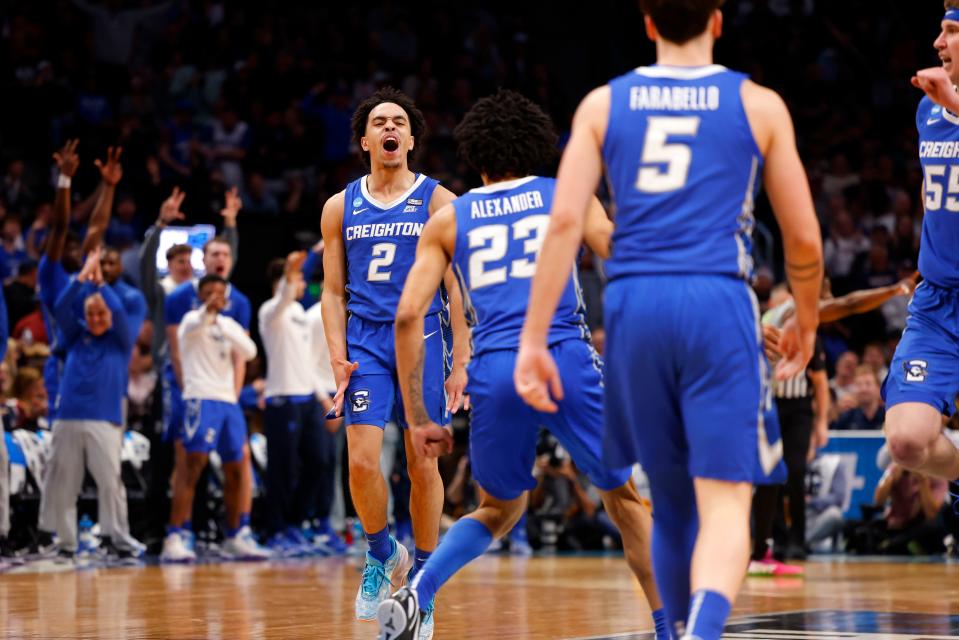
x=504, y=429
x=925, y=367
x=687, y=382
x=373, y=394
x=213, y=424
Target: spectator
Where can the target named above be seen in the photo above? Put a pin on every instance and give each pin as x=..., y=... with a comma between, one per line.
x=28, y=407
x=12, y=251
x=844, y=244
x=21, y=293
x=826, y=488
x=843, y=384
x=869, y=412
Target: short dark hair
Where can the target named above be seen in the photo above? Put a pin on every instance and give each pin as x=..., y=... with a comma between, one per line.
x=210, y=278
x=178, y=250
x=506, y=134
x=217, y=240
x=274, y=270
x=397, y=97
x=680, y=20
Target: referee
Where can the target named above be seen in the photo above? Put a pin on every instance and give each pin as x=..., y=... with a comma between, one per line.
x=802, y=403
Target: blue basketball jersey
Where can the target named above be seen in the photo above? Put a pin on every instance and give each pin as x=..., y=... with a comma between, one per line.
x=499, y=231
x=684, y=170
x=380, y=240
x=939, y=155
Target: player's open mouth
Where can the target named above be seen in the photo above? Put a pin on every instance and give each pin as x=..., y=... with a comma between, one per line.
x=945, y=59
x=391, y=144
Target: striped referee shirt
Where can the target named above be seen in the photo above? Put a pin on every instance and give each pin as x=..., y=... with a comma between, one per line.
x=800, y=386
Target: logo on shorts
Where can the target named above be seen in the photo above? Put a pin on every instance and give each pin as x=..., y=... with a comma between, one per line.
x=191, y=421
x=360, y=400
x=915, y=370
x=210, y=435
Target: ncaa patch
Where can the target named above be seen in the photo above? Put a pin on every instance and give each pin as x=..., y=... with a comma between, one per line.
x=916, y=370
x=357, y=201
x=360, y=400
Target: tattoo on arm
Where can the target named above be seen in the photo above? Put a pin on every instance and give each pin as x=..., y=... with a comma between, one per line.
x=804, y=272
x=417, y=408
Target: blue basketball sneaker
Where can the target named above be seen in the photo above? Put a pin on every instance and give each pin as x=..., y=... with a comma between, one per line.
x=378, y=577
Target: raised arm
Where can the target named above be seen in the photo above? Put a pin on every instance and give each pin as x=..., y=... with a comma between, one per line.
x=333, y=299
x=579, y=173
x=865, y=300
x=788, y=190
x=149, y=280
x=110, y=173
x=67, y=161
x=433, y=256
x=285, y=294
x=121, y=328
x=65, y=311
x=230, y=211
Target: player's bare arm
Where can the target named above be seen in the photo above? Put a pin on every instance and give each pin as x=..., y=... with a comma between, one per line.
x=110, y=174
x=579, y=173
x=433, y=257
x=333, y=299
x=788, y=190
x=68, y=162
x=457, y=380
x=598, y=232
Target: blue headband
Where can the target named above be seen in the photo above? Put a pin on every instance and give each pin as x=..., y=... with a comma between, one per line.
x=951, y=14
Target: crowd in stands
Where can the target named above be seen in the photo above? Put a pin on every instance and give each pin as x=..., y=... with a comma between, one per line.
x=238, y=117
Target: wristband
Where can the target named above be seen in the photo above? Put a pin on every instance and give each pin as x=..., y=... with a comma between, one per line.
x=63, y=182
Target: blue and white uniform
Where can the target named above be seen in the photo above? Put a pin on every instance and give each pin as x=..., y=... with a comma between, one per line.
x=499, y=231
x=686, y=378
x=213, y=418
x=925, y=367
x=177, y=304
x=380, y=240
x=52, y=280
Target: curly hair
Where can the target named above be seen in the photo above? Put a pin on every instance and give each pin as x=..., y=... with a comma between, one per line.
x=397, y=97
x=506, y=135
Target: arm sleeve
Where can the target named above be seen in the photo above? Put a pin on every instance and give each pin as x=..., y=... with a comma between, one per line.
x=121, y=321
x=235, y=333
x=52, y=279
x=189, y=323
x=65, y=313
x=273, y=307
x=148, y=267
x=232, y=236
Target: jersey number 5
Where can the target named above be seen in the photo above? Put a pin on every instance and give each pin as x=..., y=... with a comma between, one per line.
x=934, y=177
x=492, y=242
x=676, y=156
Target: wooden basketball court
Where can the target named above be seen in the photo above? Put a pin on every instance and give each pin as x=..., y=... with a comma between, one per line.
x=496, y=597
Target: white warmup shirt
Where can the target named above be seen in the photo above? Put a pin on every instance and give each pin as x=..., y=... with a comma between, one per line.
x=322, y=371
x=207, y=344
x=287, y=339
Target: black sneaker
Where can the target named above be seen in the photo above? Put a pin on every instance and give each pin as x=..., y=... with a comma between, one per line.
x=111, y=555
x=8, y=554
x=796, y=551
x=399, y=616
x=45, y=548
x=65, y=556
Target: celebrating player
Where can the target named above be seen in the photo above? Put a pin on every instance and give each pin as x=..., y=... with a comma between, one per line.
x=684, y=143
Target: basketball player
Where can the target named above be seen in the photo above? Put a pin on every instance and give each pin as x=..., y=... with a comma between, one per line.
x=685, y=143
x=491, y=235
x=923, y=378
x=210, y=343
x=370, y=231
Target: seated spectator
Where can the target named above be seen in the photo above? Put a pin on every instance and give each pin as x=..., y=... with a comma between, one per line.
x=869, y=412
x=874, y=356
x=911, y=518
x=28, y=407
x=825, y=494
x=843, y=384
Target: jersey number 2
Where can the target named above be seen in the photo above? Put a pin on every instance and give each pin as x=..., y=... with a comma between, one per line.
x=657, y=151
x=383, y=255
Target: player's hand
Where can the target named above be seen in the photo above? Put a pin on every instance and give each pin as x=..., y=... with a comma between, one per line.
x=67, y=159
x=796, y=345
x=430, y=440
x=170, y=209
x=771, y=337
x=342, y=370
x=936, y=84
x=456, y=390
x=294, y=264
x=537, y=378
x=908, y=285
x=232, y=207
x=111, y=171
